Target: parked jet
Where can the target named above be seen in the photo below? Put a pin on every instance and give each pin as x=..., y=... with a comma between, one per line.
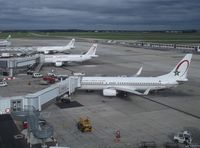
x=112, y=86
x=48, y=49
x=60, y=59
x=5, y=42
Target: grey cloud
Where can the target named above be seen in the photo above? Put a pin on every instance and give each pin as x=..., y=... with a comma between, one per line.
x=104, y=14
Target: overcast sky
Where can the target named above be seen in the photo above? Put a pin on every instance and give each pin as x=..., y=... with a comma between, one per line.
x=100, y=14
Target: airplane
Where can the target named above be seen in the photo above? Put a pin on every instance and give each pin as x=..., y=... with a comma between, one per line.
x=113, y=86
x=59, y=60
x=48, y=49
x=6, y=42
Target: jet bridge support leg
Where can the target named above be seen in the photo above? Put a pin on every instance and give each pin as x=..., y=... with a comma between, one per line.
x=11, y=72
x=66, y=98
x=73, y=83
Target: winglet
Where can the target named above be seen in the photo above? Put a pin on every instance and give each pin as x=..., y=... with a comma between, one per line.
x=139, y=72
x=147, y=91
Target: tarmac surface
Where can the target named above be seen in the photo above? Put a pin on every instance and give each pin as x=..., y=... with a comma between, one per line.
x=10, y=136
x=156, y=117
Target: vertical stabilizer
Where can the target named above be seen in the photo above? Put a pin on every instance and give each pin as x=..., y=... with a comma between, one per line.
x=181, y=69
x=9, y=36
x=71, y=44
x=92, y=50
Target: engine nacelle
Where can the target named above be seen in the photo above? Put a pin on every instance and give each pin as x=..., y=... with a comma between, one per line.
x=109, y=92
x=58, y=63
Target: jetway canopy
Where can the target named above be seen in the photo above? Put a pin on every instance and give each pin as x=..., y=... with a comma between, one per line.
x=18, y=62
x=21, y=49
x=10, y=65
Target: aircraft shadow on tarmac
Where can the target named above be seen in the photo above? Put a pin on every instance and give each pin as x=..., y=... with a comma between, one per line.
x=82, y=63
x=160, y=93
x=170, y=93
x=129, y=96
x=99, y=93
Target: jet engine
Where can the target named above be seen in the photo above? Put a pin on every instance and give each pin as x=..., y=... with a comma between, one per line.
x=109, y=92
x=58, y=63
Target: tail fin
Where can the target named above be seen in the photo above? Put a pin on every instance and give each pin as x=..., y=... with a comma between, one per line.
x=9, y=36
x=71, y=44
x=181, y=69
x=92, y=50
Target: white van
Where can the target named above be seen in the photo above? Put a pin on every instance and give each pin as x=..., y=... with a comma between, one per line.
x=37, y=75
x=51, y=74
x=3, y=83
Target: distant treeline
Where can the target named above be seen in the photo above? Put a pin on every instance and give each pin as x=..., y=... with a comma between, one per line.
x=79, y=30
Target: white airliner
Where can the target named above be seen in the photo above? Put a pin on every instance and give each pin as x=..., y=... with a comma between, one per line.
x=113, y=86
x=48, y=49
x=60, y=59
x=5, y=42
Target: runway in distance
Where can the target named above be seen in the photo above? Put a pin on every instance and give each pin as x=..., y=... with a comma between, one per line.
x=59, y=60
x=48, y=49
x=112, y=86
x=6, y=42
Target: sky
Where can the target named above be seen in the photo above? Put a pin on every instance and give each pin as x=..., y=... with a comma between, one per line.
x=100, y=14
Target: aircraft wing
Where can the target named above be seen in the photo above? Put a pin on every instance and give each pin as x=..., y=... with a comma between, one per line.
x=133, y=91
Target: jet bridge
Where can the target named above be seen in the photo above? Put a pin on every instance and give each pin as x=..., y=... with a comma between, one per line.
x=39, y=99
x=20, y=49
x=10, y=65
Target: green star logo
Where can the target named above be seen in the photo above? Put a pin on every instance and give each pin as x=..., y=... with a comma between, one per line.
x=176, y=73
